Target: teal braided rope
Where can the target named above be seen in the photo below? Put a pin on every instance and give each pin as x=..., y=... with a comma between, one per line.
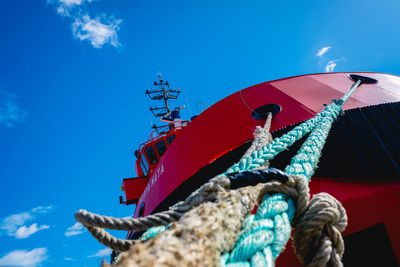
x=264, y=235
x=351, y=91
x=152, y=232
x=269, y=151
x=305, y=162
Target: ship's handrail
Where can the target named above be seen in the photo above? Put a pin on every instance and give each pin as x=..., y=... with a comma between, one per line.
x=155, y=135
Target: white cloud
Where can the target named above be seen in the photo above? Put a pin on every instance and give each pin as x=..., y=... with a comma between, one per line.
x=98, y=33
x=322, y=51
x=75, y=229
x=24, y=232
x=25, y=258
x=71, y=2
x=14, y=224
x=68, y=259
x=330, y=66
x=10, y=113
x=67, y=7
x=102, y=253
x=42, y=209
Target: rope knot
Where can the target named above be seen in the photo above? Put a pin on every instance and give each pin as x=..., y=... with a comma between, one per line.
x=317, y=240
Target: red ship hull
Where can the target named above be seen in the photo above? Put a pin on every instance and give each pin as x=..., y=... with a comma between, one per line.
x=219, y=135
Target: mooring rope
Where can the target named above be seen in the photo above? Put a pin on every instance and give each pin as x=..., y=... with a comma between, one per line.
x=96, y=223
x=302, y=165
x=265, y=234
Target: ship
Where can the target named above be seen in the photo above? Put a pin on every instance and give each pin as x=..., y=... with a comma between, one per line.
x=359, y=166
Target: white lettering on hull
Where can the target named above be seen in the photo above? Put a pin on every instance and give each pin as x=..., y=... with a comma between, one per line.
x=153, y=180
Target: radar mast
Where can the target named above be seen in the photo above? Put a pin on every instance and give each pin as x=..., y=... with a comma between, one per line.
x=161, y=92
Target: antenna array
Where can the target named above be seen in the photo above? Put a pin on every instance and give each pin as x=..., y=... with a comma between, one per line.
x=162, y=92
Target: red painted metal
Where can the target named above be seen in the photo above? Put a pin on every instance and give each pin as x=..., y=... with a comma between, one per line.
x=134, y=188
x=228, y=124
x=366, y=204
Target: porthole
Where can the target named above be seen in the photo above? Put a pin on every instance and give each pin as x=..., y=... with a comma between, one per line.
x=261, y=113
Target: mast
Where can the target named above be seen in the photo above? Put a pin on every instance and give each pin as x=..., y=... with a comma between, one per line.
x=161, y=92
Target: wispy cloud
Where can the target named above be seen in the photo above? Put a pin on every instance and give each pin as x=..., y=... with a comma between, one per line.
x=327, y=62
x=42, y=209
x=75, y=229
x=14, y=225
x=24, y=232
x=72, y=2
x=68, y=259
x=26, y=258
x=99, y=30
x=101, y=253
x=322, y=51
x=330, y=66
x=66, y=7
x=10, y=113
x=96, y=32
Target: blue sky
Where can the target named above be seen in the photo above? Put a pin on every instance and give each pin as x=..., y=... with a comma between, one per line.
x=72, y=104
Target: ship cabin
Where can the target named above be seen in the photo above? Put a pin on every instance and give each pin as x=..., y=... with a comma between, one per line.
x=148, y=156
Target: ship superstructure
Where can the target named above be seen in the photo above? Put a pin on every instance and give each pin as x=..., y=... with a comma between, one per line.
x=149, y=153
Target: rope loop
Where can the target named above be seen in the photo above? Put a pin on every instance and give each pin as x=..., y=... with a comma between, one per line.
x=317, y=240
x=97, y=223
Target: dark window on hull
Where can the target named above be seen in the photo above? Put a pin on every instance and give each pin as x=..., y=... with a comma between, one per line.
x=161, y=148
x=151, y=155
x=144, y=166
x=170, y=139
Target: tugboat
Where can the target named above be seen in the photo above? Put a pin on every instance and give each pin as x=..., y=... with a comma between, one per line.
x=360, y=163
x=150, y=152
